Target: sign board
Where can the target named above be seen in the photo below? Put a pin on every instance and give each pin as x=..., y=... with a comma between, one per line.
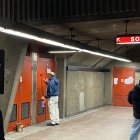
x=132, y=39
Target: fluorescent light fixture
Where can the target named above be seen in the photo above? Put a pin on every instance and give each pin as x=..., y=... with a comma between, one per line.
x=104, y=55
x=55, y=43
x=62, y=51
x=43, y=40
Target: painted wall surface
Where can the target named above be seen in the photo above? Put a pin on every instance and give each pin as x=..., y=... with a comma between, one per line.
x=61, y=75
x=108, y=78
x=85, y=90
x=108, y=88
x=15, y=50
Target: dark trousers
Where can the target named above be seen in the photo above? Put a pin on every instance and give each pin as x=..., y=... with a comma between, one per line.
x=1, y=127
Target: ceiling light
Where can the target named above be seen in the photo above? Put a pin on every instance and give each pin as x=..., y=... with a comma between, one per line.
x=105, y=55
x=62, y=51
x=43, y=40
x=55, y=43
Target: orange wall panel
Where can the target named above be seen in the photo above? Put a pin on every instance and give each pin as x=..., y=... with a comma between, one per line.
x=43, y=64
x=23, y=94
x=123, y=82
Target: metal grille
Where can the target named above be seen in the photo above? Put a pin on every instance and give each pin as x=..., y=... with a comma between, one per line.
x=25, y=110
x=31, y=10
x=14, y=113
x=40, y=108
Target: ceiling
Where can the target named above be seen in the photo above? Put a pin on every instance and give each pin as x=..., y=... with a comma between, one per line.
x=100, y=34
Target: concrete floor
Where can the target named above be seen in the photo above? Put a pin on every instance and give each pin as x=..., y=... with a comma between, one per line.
x=106, y=123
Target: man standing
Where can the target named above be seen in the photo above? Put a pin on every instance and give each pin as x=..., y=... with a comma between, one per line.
x=134, y=99
x=52, y=96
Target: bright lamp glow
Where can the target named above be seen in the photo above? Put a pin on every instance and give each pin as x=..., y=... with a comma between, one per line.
x=62, y=51
x=43, y=40
x=104, y=55
x=55, y=43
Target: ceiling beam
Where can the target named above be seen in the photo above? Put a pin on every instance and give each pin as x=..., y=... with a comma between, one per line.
x=21, y=30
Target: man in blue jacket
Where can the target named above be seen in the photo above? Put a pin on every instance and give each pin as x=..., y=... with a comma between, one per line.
x=134, y=99
x=52, y=96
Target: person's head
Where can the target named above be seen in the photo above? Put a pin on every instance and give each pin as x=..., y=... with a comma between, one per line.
x=51, y=74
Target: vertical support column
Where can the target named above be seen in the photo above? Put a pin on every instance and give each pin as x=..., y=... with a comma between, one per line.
x=34, y=79
x=61, y=75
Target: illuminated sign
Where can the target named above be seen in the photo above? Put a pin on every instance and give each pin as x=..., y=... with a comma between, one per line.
x=128, y=39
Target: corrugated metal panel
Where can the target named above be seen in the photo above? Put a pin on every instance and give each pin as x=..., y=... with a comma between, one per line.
x=101, y=6
x=30, y=10
x=95, y=7
x=107, y=6
x=17, y=10
x=113, y=6
x=2, y=8
x=12, y=9
x=76, y=7
x=43, y=10
x=82, y=11
x=60, y=8
x=38, y=7
x=49, y=8
x=119, y=6
x=32, y=7
x=54, y=11
x=138, y=5
x=23, y=10
x=133, y=5
x=65, y=11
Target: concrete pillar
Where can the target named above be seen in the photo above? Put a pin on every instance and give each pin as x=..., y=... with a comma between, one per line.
x=61, y=75
x=34, y=81
x=108, y=88
x=15, y=51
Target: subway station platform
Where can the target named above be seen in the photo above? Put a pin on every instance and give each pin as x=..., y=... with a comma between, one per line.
x=105, y=123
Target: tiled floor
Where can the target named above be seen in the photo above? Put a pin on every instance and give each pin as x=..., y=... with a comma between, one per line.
x=106, y=123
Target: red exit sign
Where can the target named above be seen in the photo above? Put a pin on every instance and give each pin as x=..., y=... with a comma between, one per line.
x=128, y=39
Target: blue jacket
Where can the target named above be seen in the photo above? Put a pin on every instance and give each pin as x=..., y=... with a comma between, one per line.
x=52, y=87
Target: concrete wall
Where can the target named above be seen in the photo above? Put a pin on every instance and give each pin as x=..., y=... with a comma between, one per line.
x=108, y=77
x=15, y=50
x=85, y=90
x=61, y=75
